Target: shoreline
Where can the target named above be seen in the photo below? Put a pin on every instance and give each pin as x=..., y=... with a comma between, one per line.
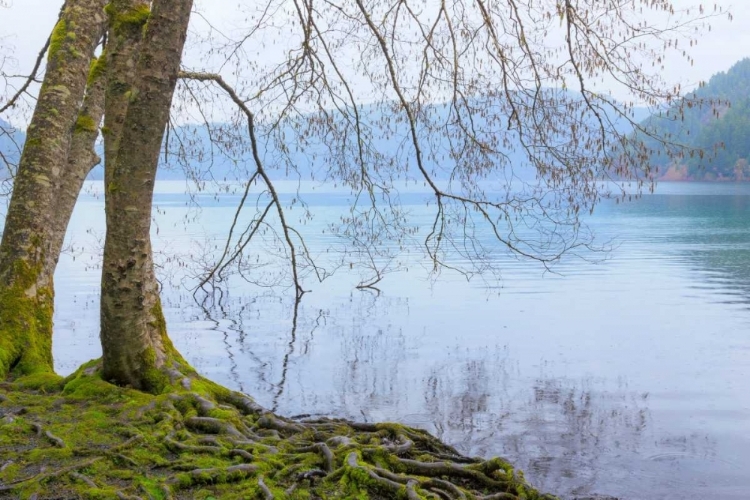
x=81, y=437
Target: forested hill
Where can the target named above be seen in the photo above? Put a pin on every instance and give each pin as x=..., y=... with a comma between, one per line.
x=723, y=131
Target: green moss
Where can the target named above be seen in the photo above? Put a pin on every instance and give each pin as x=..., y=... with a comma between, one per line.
x=11, y=472
x=57, y=39
x=88, y=366
x=357, y=483
x=44, y=382
x=207, y=387
x=82, y=387
x=50, y=454
x=300, y=495
x=221, y=414
x=97, y=69
x=158, y=322
x=187, y=480
x=123, y=474
x=85, y=123
x=154, y=379
x=62, y=35
x=98, y=422
x=100, y=494
x=151, y=487
x=25, y=324
x=126, y=17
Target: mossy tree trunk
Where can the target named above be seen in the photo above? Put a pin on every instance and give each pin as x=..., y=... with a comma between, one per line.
x=135, y=348
x=41, y=203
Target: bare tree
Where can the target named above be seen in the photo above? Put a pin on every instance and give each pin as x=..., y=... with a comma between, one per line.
x=487, y=104
x=456, y=96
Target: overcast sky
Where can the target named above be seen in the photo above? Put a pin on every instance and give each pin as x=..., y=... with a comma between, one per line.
x=26, y=24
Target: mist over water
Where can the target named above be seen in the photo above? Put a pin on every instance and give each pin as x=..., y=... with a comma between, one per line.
x=626, y=376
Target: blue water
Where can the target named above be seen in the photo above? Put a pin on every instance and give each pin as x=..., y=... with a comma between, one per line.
x=623, y=373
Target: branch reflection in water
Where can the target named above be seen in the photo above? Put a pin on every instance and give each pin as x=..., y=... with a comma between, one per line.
x=568, y=434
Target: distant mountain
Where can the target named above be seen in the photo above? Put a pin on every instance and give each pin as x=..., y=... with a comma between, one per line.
x=310, y=156
x=223, y=153
x=722, y=131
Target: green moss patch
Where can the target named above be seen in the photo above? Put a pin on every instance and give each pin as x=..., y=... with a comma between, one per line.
x=81, y=437
x=25, y=325
x=85, y=123
x=57, y=39
x=125, y=17
x=97, y=69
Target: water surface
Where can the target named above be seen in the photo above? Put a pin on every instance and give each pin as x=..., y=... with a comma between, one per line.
x=626, y=376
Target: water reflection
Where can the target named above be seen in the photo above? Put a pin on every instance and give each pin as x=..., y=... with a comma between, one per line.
x=233, y=326
x=557, y=432
x=281, y=385
x=627, y=378
x=572, y=435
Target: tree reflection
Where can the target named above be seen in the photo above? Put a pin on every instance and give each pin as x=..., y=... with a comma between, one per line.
x=568, y=435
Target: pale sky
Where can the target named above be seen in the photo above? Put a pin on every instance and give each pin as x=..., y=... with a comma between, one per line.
x=25, y=25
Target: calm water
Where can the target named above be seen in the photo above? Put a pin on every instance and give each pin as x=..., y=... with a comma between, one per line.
x=627, y=377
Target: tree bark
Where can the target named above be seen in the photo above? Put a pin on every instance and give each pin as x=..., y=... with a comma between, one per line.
x=82, y=157
x=135, y=345
x=35, y=227
x=123, y=48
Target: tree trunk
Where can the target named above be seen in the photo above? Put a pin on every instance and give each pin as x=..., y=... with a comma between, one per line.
x=35, y=227
x=123, y=48
x=82, y=157
x=135, y=345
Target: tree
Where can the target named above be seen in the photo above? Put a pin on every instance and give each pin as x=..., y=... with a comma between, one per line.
x=469, y=88
x=133, y=333
x=46, y=187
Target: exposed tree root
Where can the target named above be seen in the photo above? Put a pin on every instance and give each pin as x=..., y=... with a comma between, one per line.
x=41, y=477
x=50, y=437
x=83, y=479
x=324, y=450
x=214, y=475
x=199, y=440
x=123, y=496
x=267, y=493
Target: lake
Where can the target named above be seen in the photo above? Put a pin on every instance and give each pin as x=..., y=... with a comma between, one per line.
x=625, y=376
